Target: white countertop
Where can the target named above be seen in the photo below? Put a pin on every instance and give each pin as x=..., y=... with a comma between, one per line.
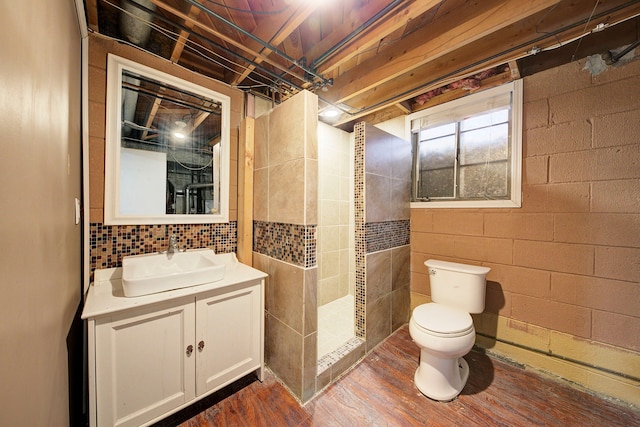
x=105, y=294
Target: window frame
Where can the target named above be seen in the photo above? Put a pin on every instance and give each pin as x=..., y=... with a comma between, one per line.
x=515, y=89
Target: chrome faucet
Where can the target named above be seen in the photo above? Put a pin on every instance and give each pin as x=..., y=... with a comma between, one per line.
x=173, y=245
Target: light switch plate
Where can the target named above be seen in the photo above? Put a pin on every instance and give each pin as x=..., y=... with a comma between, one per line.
x=77, y=211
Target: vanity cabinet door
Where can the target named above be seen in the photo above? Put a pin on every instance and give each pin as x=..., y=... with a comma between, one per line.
x=228, y=336
x=144, y=367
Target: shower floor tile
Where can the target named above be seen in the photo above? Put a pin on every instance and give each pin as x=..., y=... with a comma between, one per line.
x=335, y=324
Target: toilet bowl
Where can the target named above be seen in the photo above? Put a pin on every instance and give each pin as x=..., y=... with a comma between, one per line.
x=443, y=329
x=444, y=335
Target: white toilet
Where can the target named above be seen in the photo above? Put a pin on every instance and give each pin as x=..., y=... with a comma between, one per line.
x=444, y=329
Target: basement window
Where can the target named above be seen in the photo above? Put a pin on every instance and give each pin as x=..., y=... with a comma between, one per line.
x=467, y=153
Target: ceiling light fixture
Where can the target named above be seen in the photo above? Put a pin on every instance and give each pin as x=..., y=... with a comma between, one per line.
x=178, y=132
x=330, y=113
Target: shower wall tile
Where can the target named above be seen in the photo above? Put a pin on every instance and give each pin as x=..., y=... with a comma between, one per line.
x=310, y=303
x=310, y=366
x=378, y=321
x=378, y=197
x=400, y=267
x=400, y=307
x=378, y=152
x=329, y=238
x=328, y=290
x=286, y=136
x=311, y=191
x=401, y=161
x=284, y=349
x=330, y=213
x=400, y=194
x=330, y=264
x=285, y=294
x=286, y=191
x=378, y=281
x=261, y=262
x=382, y=184
x=329, y=184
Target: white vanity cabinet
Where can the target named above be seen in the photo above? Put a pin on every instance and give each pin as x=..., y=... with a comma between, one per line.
x=142, y=366
x=153, y=355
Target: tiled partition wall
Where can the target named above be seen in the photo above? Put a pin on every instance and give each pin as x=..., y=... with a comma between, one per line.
x=565, y=268
x=382, y=190
x=285, y=222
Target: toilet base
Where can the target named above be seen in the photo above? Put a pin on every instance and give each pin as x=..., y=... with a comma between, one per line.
x=441, y=379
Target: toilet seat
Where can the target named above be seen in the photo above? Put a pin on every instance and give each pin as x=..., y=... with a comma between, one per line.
x=439, y=320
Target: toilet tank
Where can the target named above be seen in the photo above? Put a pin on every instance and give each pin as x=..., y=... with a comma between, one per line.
x=457, y=285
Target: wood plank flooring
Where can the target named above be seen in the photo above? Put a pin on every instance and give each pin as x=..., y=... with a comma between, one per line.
x=379, y=391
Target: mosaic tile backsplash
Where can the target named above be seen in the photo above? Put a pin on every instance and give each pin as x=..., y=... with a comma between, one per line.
x=109, y=243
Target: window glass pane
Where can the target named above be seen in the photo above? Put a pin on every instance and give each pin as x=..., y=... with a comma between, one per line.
x=485, y=181
x=483, y=120
x=467, y=150
x=438, y=131
x=482, y=145
x=437, y=167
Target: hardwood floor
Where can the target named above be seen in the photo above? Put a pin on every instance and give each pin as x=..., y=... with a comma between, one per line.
x=379, y=391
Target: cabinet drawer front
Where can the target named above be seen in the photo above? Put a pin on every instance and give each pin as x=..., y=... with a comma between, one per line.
x=141, y=364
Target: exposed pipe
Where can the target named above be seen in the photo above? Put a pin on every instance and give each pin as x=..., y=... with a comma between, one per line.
x=615, y=58
x=558, y=356
x=214, y=44
x=265, y=44
x=495, y=56
x=131, y=27
x=322, y=58
x=187, y=191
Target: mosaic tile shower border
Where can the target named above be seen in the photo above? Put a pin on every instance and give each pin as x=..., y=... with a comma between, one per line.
x=360, y=229
x=386, y=235
x=109, y=243
x=328, y=360
x=292, y=243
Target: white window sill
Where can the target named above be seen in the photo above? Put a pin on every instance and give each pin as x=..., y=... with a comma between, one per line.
x=467, y=204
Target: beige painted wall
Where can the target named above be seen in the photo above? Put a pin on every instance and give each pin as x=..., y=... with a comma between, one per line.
x=40, y=171
x=564, y=268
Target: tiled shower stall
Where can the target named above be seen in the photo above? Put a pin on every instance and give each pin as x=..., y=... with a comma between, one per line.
x=285, y=241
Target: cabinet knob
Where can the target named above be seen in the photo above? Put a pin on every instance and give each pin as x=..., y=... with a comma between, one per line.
x=189, y=350
x=200, y=345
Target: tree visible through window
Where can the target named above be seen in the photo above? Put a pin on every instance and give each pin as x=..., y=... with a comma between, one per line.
x=469, y=149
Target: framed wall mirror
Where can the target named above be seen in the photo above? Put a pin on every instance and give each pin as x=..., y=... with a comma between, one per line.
x=167, y=148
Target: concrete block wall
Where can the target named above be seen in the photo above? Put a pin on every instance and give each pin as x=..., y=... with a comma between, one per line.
x=566, y=266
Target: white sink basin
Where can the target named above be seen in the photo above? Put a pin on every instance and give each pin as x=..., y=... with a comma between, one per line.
x=152, y=273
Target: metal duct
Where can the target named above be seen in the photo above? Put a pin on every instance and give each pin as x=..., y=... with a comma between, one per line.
x=134, y=25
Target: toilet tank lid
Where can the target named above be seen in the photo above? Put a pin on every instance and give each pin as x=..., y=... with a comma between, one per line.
x=454, y=266
x=442, y=319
